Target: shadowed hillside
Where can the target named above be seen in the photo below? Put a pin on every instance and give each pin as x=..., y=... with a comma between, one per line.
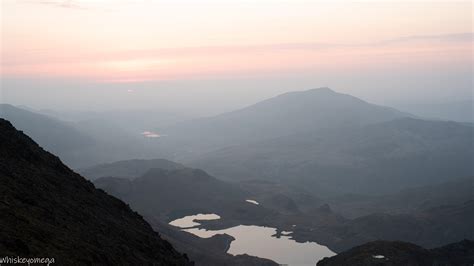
x=54, y=135
x=50, y=211
x=387, y=253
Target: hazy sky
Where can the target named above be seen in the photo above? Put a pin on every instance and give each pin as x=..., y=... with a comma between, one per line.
x=210, y=56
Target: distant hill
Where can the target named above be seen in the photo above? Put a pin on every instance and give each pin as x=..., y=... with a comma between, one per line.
x=128, y=169
x=286, y=114
x=163, y=195
x=50, y=211
x=129, y=120
x=382, y=253
x=175, y=192
x=129, y=179
x=82, y=143
x=461, y=111
x=411, y=200
x=54, y=135
x=376, y=158
x=429, y=228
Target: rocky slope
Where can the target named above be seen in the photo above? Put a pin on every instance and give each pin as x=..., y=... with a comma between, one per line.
x=50, y=211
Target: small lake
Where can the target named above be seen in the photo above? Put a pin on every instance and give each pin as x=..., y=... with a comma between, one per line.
x=258, y=241
x=252, y=201
x=188, y=221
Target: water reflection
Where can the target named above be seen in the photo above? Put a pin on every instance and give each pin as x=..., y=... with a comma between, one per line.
x=258, y=241
x=252, y=201
x=188, y=221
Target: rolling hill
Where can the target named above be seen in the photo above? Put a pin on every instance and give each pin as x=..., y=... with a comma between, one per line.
x=372, y=159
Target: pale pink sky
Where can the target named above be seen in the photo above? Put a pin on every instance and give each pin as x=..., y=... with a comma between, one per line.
x=130, y=41
x=209, y=56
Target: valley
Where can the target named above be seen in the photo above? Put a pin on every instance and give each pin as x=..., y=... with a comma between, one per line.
x=236, y=133
x=306, y=194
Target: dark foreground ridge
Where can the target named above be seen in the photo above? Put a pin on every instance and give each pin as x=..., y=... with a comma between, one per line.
x=49, y=211
x=403, y=253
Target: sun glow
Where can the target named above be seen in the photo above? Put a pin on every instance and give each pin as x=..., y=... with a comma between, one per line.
x=134, y=64
x=131, y=41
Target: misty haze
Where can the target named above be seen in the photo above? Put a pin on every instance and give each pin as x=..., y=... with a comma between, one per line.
x=236, y=133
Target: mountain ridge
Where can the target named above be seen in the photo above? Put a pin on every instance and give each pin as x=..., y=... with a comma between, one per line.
x=406, y=146
x=127, y=168
x=46, y=208
x=282, y=115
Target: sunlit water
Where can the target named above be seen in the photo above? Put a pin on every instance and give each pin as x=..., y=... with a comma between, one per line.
x=188, y=221
x=258, y=241
x=252, y=201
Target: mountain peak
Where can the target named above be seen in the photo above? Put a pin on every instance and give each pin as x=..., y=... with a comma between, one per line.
x=282, y=115
x=315, y=91
x=322, y=90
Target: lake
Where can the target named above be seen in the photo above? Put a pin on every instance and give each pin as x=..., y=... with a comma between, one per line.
x=258, y=241
x=188, y=221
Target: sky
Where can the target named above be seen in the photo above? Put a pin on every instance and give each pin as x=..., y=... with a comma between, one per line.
x=213, y=56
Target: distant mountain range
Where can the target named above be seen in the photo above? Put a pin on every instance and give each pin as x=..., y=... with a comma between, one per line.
x=46, y=200
x=375, y=158
x=283, y=115
x=320, y=140
x=50, y=211
x=130, y=121
x=129, y=169
x=326, y=142
x=81, y=143
x=54, y=135
x=460, y=111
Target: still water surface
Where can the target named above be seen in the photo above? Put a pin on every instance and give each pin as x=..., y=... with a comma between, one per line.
x=259, y=241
